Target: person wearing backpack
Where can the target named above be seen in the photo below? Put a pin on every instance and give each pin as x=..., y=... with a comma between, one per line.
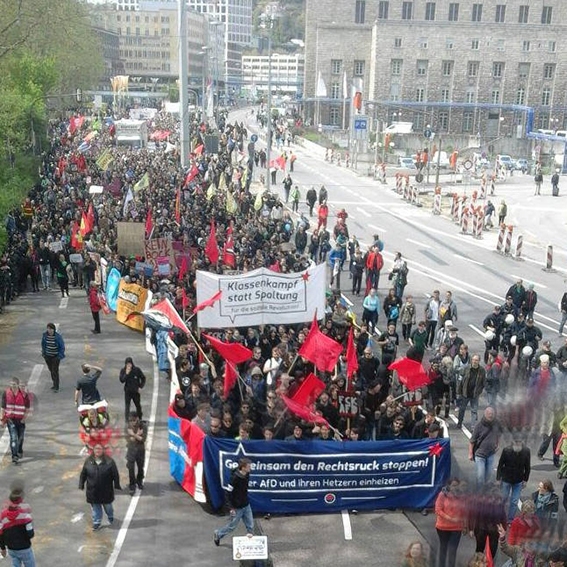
x=392, y=305
x=399, y=274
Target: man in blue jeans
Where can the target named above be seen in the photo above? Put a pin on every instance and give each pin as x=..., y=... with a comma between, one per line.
x=513, y=472
x=16, y=530
x=483, y=446
x=237, y=496
x=14, y=409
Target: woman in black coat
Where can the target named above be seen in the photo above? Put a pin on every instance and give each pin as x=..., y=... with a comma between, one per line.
x=100, y=474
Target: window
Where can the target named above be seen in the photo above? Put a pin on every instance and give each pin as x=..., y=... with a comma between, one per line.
x=497, y=70
x=470, y=95
x=476, y=15
x=546, y=14
x=449, y=43
x=420, y=95
x=495, y=96
x=453, y=12
x=521, y=96
x=500, y=13
x=468, y=121
x=335, y=90
x=551, y=47
x=475, y=44
x=359, y=11
x=422, y=42
x=523, y=14
x=548, y=71
x=546, y=96
x=383, y=8
x=396, y=66
x=523, y=70
x=334, y=116
x=445, y=96
x=526, y=45
x=430, y=11
x=499, y=45
x=421, y=67
x=407, y=9
x=358, y=68
x=472, y=68
x=394, y=91
x=543, y=121
x=447, y=68
x=336, y=65
x=443, y=121
x=397, y=42
x=418, y=122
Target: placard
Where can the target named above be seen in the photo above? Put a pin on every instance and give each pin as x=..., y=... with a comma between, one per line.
x=131, y=238
x=244, y=547
x=96, y=189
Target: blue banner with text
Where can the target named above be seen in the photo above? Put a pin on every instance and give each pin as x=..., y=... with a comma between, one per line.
x=323, y=476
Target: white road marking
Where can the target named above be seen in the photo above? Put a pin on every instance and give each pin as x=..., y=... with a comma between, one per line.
x=528, y=281
x=31, y=384
x=121, y=538
x=365, y=213
x=420, y=244
x=346, y=524
x=468, y=259
x=477, y=330
x=378, y=228
x=64, y=302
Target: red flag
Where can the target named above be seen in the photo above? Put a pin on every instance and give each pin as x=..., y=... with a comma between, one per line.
x=488, y=552
x=76, y=239
x=309, y=390
x=230, y=377
x=193, y=172
x=228, y=256
x=149, y=224
x=208, y=302
x=183, y=268
x=178, y=206
x=86, y=225
x=231, y=352
x=410, y=373
x=351, y=358
x=199, y=150
x=91, y=216
x=319, y=349
x=303, y=412
x=184, y=299
x=212, y=248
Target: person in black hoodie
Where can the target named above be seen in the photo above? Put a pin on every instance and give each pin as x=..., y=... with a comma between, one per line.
x=16, y=529
x=237, y=496
x=134, y=380
x=513, y=472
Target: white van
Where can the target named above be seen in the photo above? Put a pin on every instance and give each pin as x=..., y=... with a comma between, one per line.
x=399, y=128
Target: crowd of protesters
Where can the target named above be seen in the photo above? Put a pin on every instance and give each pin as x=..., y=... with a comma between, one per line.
x=45, y=241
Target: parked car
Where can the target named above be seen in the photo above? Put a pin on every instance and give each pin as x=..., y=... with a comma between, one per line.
x=406, y=163
x=443, y=158
x=523, y=165
x=506, y=161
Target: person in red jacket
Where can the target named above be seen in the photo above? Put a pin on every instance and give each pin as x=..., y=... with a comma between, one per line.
x=14, y=409
x=450, y=521
x=95, y=306
x=16, y=530
x=323, y=215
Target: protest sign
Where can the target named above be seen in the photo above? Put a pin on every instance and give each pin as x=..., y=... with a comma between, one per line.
x=131, y=298
x=246, y=548
x=318, y=476
x=261, y=297
x=158, y=248
x=131, y=238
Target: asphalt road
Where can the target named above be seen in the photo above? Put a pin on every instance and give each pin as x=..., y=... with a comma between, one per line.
x=162, y=525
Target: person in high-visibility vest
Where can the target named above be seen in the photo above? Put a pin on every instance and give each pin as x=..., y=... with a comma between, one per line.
x=14, y=409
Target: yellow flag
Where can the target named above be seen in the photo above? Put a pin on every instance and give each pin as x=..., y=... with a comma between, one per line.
x=105, y=159
x=244, y=178
x=222, y=181
x=144, y=182
x=258, y=202
x=231, y=206
x=211, y=191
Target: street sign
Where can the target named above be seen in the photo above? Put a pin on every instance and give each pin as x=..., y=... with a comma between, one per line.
x=254, y=138
x=361, y=123
x=427, y=133
x=468, y=164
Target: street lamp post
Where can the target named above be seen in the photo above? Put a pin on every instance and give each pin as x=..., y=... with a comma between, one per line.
x=184, y=136
x=268, y=23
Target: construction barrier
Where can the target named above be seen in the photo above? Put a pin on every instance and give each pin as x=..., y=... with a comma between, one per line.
x=508, y=243
x=483, y=188
x=500, y=243
x=465, y=220
x=455, y=207
x=406, y=195
x=478, y=223
x=399, y=183
x=549, y=259
x=519, y=245
x=437, y=202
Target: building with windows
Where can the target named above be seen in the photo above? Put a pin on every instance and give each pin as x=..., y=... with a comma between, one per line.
x=491, y=67
x=234, y=19
x=287, y=74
